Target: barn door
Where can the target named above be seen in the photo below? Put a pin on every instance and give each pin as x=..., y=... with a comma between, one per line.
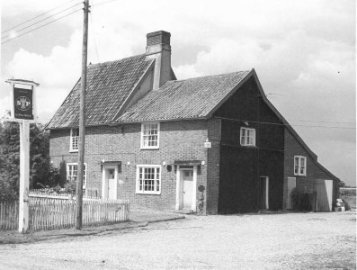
x=264, y=192
x=324, y=192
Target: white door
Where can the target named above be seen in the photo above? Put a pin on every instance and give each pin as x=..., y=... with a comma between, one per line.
x=291, y=184
x=187, y=188
x=324, y=192
x=112, y=193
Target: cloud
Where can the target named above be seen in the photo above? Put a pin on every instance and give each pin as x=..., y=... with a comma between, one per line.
x=303, y=52
x=56, y=73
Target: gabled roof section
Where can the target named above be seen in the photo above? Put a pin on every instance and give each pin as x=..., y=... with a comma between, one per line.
x=108, y=85
x=291, y=129
x=184, y=99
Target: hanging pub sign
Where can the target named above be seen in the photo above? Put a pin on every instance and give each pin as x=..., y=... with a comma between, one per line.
x=23, y=103
x=23, y=99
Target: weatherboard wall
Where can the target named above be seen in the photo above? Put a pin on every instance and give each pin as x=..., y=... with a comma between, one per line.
x=242, y=166
x=304, y=184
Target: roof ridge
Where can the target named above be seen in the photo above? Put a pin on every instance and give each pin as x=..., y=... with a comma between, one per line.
x=118, y=60
x=210, y=76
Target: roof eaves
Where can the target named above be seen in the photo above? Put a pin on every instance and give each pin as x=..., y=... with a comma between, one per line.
x=118, y=123
x=173, y=119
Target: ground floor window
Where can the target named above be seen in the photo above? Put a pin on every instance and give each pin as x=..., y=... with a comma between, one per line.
x=72, y=172
x=148, y=179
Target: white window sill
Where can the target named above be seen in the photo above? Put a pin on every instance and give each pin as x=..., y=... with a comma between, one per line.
x=149, y=148
x=248, y=145
x=148, y=193
x=73, y=151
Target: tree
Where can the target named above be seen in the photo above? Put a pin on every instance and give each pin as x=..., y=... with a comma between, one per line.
x=42, y=172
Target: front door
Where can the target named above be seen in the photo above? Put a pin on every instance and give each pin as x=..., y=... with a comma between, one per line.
x=112, y=193
x=187, y=188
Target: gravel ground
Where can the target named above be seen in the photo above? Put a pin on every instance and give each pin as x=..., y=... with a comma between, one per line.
x=274, y=241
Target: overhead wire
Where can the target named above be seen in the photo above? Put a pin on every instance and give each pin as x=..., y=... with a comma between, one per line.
x=8, y=37
x=34, y=18
x=283, y=124
x=44, y=19
x=43, y=25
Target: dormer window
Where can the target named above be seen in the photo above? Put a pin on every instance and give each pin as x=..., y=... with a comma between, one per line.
x=300, y=165
x=150, y=135
x=247, y=136
x=74, y=140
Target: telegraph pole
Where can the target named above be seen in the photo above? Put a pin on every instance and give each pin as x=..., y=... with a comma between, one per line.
x=82, y=118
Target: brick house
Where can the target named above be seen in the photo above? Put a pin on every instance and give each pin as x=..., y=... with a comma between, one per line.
x=213, y=144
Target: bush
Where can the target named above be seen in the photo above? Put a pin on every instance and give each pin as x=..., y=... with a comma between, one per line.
x=301, y=202
x=70, y=187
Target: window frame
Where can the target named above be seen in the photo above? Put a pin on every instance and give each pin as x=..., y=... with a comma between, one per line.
x=243, y=140
x=76, y=164
x=71, y=138
x=137, y=180
x=142, y=135
x=298, y=165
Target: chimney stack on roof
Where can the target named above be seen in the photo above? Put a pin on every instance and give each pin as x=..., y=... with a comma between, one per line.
x=158, y=47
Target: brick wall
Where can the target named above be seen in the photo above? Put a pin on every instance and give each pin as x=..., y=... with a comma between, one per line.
x=181, y=140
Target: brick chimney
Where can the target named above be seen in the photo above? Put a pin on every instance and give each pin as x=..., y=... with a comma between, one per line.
x=158, y=48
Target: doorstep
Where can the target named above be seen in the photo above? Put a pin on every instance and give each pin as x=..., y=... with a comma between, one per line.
x=185, y=212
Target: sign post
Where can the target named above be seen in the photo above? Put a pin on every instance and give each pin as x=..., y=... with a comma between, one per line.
x=23, y=111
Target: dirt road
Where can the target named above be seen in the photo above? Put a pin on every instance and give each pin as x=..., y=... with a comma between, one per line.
x=281, y=241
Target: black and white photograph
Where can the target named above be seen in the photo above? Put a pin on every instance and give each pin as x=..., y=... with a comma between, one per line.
x=165, y=134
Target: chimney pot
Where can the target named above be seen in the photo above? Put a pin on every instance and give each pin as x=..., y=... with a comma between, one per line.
x=158, y=37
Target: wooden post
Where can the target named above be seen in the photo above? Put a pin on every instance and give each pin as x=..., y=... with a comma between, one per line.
x=24, y=176
x=23, y=110
x=82, y=119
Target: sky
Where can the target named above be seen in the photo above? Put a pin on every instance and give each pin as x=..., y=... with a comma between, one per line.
x=303, y=52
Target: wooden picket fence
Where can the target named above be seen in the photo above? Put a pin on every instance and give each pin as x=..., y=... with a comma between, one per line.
x=9, y=215
x=55, y=213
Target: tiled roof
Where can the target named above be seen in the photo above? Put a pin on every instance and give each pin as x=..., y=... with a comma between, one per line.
x=184, y=99
x=108, y=85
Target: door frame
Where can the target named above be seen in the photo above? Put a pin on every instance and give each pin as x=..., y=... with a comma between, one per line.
x=179, y=185
x=290, y=185
x=266, y=190
x=105, y=182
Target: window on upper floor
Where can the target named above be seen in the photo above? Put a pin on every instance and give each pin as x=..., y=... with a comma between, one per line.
x=74, y=140
x=150, y=135
x=300, y=165
x=247, y=136
x=72, y=173
x=148, y=179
